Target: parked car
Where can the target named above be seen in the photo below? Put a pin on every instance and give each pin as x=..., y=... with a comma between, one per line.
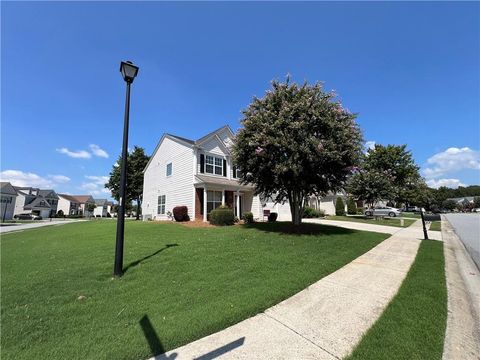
x=27, y=217
x=414, y=209
x=383, y=211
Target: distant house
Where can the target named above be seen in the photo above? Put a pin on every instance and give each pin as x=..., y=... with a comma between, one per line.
x=328, y=202
x=111, y=208
x=8, y=196
x=36, y=201
x=75, y=204
x=102, y=208
x=463, y=200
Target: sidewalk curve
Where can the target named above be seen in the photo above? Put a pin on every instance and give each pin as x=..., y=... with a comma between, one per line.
x=324, y=321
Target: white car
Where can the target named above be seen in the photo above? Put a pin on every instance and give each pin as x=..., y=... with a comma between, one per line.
x=383, y=211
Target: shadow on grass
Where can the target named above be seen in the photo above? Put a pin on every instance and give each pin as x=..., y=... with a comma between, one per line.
x=137, y=262
x=157, y=348
x=302, y=229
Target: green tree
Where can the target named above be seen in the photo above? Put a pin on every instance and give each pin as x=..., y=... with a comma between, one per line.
x=351, y=206
x=449, y=204
x=136, y=162
x=296, y=141
x=476, y=202
x=339, y=207
x=370, y=186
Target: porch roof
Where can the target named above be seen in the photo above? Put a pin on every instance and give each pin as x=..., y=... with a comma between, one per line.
x=220, y=181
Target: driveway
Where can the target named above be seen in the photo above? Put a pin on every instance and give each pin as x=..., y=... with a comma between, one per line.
x=20, y=227
x=467, y=228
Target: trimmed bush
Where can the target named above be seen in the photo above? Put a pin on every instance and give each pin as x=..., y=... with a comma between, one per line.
x=310, y=212
x=351, y=207
x=248, y=217
x=272, y=217
x=222, y=216
x=60, y=213
x=340, y=207
x=180, y=213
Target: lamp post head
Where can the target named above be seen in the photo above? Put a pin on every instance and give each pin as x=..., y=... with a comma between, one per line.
x=128, y=70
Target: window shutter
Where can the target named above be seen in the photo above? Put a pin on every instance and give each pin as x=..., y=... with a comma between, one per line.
x=234, y=172
x=224, y=167
x=202, y=163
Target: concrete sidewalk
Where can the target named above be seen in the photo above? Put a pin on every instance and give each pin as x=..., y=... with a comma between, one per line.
x=21, y=227
x=324, y=321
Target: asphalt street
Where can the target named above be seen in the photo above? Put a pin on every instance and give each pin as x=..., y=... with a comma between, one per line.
x=467, y=227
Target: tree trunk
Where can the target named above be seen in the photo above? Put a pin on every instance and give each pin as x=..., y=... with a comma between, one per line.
x=296, y=206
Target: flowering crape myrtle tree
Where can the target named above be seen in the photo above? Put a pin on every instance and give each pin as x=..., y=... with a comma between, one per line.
x=296, y=141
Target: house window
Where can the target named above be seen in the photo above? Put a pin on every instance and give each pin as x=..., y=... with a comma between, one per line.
x=214, y=200
x=213, y=165
x=236, y=172
x=169, y=169
x=161, y=204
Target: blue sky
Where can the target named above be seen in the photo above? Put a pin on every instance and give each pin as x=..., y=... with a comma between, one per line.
x=411, y=71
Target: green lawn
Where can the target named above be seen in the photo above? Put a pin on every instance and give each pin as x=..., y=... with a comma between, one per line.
x=363, y=219
x=411, y=215
x=413, y=325
x=436, y=226
x=181, y=283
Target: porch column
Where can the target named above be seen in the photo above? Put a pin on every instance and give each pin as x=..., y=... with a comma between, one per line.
x=205, y=203
x=238, y=204
x=223, y=197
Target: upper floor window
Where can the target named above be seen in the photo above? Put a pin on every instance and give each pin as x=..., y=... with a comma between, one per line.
x=213, y=165
x=236, y=173
x=169, y=169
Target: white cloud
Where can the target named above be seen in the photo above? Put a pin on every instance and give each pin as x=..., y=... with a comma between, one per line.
x=80, y=154
x=451, y=160
x=370, y=145
x=23, y=179
x=451, y=183
x=98, y=151
x=96, y=187
x=61, y=179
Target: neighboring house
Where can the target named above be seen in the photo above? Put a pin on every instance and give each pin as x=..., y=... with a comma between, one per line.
x=111, y=208
x=463, y=200
x=328, y=203
x=198, y=174
x=36, y=201
x=102, y=208
x=8, y=196
x=75, y=204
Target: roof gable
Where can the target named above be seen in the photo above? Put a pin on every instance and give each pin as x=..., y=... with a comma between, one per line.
x=7, y=188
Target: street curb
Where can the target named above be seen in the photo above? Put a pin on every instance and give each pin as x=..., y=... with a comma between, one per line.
x=463, y=286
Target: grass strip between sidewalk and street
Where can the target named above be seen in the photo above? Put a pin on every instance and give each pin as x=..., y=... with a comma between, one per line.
x=413, y=324
x=362, y=219
x=436, y=226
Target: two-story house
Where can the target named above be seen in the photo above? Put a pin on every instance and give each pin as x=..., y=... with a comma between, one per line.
x=36, y=201
x=198, y=174
x=8, y=197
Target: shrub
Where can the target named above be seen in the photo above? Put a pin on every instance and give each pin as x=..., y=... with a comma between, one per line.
x=360, y=211
x=222, y=216
x=248, y=217
x=351, y=207
x=340, y=207
x=60, y=213
x=310, y=212
x=272, y=217
x=180, y=213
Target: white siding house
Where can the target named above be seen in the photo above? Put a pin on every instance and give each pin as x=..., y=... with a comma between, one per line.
x=200, y=175
x=8, y=196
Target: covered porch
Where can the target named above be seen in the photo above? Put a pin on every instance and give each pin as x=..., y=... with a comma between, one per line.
x=212, y=192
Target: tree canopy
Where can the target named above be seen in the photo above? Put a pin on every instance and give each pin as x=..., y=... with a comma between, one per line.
x=387, y=173
x=296, y=141
x=136, y=162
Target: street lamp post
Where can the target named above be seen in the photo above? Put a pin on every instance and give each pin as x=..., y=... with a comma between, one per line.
x=129, y=72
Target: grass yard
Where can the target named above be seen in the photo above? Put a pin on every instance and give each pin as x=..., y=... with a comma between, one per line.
x=413, y=325
x=363, y=219
x=181, y=283
x=436, y=226
x=411, y=215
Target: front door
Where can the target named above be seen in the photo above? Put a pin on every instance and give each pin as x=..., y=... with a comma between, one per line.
x=239, y=201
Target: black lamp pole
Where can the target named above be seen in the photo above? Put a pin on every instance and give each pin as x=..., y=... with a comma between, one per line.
x=425, y=234
x=129, y=71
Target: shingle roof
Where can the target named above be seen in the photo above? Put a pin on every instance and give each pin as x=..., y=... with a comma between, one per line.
x=7, y=188
x=82, y=198
x=100, y=201
x=221, y=181
x=182, y=138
